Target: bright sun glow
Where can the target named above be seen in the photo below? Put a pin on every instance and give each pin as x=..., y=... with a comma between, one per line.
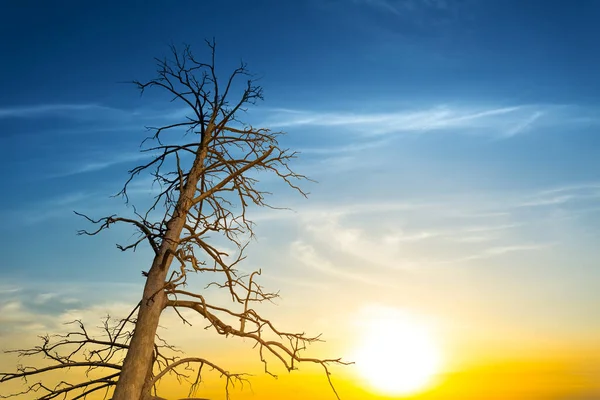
x=397, y=355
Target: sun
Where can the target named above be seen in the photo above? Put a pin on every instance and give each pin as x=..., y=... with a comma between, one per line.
x=396, y=355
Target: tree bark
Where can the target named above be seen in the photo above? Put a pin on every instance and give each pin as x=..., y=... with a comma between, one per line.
x=133, y=379
x=140, y=354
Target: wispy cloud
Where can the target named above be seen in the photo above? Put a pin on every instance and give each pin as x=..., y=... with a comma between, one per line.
x=493, y=251
x=295, y=281
x=393, y=248
x=43, y=298
x=360, y=245
x=19, y=317
x=44, y=306
x=351, y=148
x=471, y=234
x=524, y=125
x=384, y=5
x=98, y=118
x=403, y=7
x=7, y=289
x=572, y=187
x=15, y=316
x=355, y=240
x=57, y=207
x=497, y=251
x=67, y=199
x=499, y=121
x=42, y=110
x=572, y=193
x=103, y=162
x=308, y=256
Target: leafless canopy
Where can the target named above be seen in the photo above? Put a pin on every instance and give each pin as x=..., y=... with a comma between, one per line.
x=207, y=185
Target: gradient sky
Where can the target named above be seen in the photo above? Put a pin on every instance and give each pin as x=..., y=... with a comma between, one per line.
x=455, y=145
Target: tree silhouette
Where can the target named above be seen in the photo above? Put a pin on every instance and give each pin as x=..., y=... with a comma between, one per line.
x=206, y=187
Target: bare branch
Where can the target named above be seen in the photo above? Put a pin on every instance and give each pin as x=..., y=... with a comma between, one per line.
x=206, y=188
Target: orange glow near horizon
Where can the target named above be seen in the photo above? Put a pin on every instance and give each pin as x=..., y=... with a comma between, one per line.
x=499, y=374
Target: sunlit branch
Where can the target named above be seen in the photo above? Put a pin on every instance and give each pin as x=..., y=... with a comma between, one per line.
x=206, y=187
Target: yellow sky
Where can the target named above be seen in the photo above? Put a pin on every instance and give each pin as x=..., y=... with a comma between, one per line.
x=509, y=380
x=481, y=358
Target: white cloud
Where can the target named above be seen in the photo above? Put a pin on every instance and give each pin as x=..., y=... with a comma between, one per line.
x=7, y=289
x=49, y=109
x=67, y=199
x=103, y=162
x=546, y=201
x=15, y=316
x=351, y=148
x=571, y=187
x=304, y=283
x=309, y=257
x=497, y=251
x=492, y=251
x=44, y=297
x=360, y=245
x=501, y=122
x=38, y=310
x=403, y=7
x=562, y=195
x=59, y=207
x=99, y=118
x=524, y=125
x=355, y=240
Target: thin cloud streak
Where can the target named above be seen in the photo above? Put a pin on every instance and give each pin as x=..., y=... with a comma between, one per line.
x=503, y=122
x=524, y=125
x=352, y=148
x=404, y=8
x=60, y=207
x=432, y=236
x=94, y=166
x=104, y=118
x=562, y=195
x=572, y=187
x=9, y=289
x=381, y=4
x=67, y=199
x=49, y=109
x=497, y=251
x=308, y=256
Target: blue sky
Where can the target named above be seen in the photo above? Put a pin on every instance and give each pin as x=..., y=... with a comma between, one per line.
x=455, y=143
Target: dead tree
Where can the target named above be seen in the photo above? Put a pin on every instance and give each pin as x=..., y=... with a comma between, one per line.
x=206, y=188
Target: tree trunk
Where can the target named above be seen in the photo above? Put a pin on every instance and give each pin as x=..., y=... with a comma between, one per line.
x=139, y=359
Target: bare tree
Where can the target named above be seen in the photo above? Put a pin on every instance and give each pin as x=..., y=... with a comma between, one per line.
x=206, y=187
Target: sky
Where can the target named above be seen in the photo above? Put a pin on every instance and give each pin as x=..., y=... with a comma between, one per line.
x=454, y=148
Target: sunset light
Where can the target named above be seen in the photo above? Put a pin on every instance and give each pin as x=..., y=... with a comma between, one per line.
x=308, y=199
x=397, y=355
